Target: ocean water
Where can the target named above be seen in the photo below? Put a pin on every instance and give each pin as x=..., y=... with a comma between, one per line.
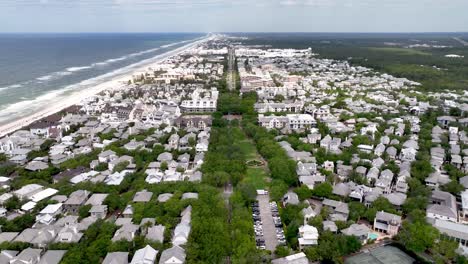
x=35, y=68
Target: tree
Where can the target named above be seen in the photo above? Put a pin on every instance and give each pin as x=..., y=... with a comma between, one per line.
x=121, y=166
x=83, y=212
x=417, y=236
x=453, y=187
x=164, y=166
x=217, y=179
x=303, y=192
x=356, y=211
x=324, y=189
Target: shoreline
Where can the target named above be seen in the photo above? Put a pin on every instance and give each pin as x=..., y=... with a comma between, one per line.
x=76, y=97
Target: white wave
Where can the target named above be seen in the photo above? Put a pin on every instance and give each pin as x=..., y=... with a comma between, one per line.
x=10, y=87
x=29, y=105
x=75, y=69
x=45, y=78
x=64, y=73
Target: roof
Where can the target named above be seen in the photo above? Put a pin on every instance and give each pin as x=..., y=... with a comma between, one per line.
x=451, y=229
x=171, y=254
x=156, y=233
x=27, y=255
x=387, y=217
x=299, y=258
x=143, y=196
x=145, y=255
x=116, y=258
x=7, y=236
x=164, y=197
x=97, y=198
x=356, y=230
x=52, y=257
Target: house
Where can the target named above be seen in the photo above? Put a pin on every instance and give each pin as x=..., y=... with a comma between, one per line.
x=146, y=255
x=48, y=215
x=329, y=226
x=464, y=207
x=44, y=237
x=156, y=233
x=27, y=190
x=128, y=211
x=97, y=198
x=164, y=197
x=107, y=156
x=52, y=257
x=98, y=211
x=7, y=255
x=359, y=231
x=142, y=197
x=451, y=231
x=75, y=201
x=36, y=166
x=339, y=211
x=444, y=121
x=387, y=223
x=116, y=258
x=308, y=213
x=299, y=258
x=290, y=198
x=126, y=232
x=173, y=255
x=442, y=205
x=308, y=236
x=27, y=256
x=69, y=234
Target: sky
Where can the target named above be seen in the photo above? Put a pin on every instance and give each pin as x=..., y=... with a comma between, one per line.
x=233, y=15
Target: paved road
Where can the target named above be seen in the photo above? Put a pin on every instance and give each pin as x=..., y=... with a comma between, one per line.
x=231, y=80
x=269, y=230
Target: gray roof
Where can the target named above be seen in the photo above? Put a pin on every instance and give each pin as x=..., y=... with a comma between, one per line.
x=26, y=256
x=164, y=197
x=7, y=236
x=97, y=198
x=156, y=233
x=173, y=252
x=189, y=195
x=52, y=257
x=451, y=229
x=77, y=197
x=116, y=258
x=143, y=196
x=387, y=217
x=356, y=230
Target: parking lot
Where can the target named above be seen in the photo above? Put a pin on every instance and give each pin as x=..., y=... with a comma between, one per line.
x=267, y=224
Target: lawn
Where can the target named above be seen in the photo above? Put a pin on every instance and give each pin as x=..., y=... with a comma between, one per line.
x=249, y=149
x=256, y=177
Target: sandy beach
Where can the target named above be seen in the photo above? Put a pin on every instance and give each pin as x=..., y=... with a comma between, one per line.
x=76, y=97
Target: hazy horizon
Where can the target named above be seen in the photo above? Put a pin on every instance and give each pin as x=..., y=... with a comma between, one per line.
x=269, y=16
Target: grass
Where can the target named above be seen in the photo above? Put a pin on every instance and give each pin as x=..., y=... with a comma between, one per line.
x=249, y=149
x=402, y=51
x=256, y=177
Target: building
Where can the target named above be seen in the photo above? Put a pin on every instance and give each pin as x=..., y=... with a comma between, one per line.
x=173, y=255
x=299, y=258
x=442, y=205
x=146, y=255
x=308, y=236
x=75, y=201
x=387, y=223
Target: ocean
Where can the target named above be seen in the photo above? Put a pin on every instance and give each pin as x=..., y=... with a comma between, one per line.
x=36, y=69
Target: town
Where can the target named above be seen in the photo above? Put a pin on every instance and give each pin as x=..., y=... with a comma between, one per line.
x=235, y=153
